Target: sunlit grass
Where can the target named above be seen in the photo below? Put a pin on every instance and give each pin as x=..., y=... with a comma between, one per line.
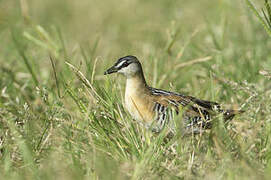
x=61, y=118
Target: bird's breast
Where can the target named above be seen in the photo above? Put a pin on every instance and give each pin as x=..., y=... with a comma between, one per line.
x=139, y=107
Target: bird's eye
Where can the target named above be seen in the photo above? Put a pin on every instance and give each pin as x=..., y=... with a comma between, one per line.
x=125, y=64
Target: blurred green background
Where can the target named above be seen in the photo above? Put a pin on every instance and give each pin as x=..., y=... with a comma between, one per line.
x=54, y=126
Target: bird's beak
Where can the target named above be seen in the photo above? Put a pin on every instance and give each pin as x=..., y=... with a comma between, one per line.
x=111, y=70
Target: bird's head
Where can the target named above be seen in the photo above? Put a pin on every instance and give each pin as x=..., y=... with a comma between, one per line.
x=128, y=66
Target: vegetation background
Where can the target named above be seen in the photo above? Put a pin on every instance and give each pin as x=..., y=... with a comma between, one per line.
x=60, y=118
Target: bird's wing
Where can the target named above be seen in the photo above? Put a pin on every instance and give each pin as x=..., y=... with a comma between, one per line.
x=196, y=112
x=171, y=98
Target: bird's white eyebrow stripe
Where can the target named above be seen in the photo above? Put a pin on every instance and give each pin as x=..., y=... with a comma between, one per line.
x=120, y=64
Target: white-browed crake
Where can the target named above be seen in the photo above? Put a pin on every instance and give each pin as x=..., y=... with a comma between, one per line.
x=155, y=107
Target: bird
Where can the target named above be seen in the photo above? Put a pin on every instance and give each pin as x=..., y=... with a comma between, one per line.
x=156, y=108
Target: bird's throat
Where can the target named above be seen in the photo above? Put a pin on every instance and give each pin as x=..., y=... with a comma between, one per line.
x=135, y=84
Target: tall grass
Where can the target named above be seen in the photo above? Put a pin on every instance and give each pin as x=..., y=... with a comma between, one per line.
x=60, y=118
x=265, y=18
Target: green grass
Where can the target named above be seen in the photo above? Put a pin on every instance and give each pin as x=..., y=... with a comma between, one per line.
x=61, y=118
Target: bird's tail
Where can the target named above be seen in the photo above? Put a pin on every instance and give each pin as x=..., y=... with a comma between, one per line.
x=229, y=114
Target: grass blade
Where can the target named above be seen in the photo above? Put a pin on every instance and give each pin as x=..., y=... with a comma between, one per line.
x=25, y=59
x=256, y=13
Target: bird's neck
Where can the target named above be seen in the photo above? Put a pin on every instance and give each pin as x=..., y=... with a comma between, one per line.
x=136, y=84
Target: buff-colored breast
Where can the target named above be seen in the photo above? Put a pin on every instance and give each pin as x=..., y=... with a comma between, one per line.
x=137, y=101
